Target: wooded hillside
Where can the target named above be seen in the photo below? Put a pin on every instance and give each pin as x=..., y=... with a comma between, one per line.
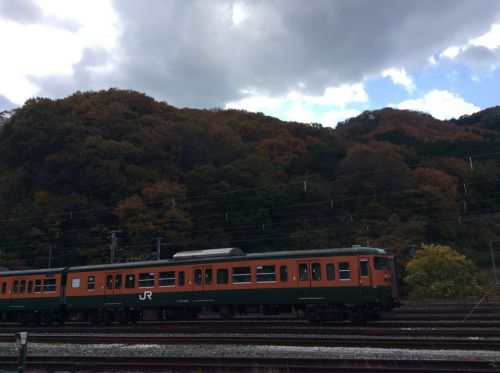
x=76, y=169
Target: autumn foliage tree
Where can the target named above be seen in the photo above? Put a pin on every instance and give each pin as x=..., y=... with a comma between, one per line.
x=160, y=210
x=74, y=169
x=439, y=271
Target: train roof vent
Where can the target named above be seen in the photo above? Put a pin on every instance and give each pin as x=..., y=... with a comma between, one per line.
x=210, y=253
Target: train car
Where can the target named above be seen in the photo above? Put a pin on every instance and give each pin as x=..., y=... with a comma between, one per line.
x=356, y=283
x=32, y=296
x=331, y=284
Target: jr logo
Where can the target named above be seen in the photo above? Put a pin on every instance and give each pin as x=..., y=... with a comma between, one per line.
x=148, y=294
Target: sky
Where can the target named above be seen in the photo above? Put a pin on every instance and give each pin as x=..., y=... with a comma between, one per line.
x=317, y=61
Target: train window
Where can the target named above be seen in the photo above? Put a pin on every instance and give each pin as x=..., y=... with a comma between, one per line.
x=118, y=281
x=30, y=286
x=379, y=262
x=330, y=272
x=344, y=271
x=283, y=273
x=49, y=285
x=146, y=280
x=75, y=283
x=109, y=282
x=38, y=286
x=266, y=273
x=197, y=276
x=15, y=287
x=316, y=271
x=167, y=278
x=22, y=286
x=363, y=268
x=181, y=278
x=91, y=283
x=242, y=275
x=4, y=287
x=303, y=275
x=222, y=276
x=208, y=276
x=130, y=281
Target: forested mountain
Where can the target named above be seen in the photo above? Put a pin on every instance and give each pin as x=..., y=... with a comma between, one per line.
x=76, y=169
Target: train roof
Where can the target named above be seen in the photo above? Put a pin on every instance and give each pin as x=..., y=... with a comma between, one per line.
x=203, y=256
x=47, y=271
x=231, y=254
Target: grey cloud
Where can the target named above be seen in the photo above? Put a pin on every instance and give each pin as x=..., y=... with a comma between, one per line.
x=479, y=56
x=190, y=54
x=84, y=76
x=28, y=12
x=6, y=104
x=24, y=11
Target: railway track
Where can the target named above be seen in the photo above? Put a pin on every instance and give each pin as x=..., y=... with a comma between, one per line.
x=450, y=343
x=214, y=325
x=268, y=327
x=411, y=329
x=230, y=364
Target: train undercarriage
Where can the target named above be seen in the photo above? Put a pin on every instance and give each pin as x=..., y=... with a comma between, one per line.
x=314, y=313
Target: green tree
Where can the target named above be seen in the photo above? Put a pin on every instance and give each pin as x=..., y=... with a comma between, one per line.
x=439, y=271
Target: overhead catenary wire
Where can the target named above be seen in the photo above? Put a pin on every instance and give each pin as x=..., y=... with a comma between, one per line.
x=315, y=203
x=241, y=190
x=330, y=202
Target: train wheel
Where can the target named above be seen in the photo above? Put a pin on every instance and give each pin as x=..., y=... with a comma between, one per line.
x=358, y=315
x=46, y=318
x=123, y=316
x=92, y=317
x=107, y=316
x=135, y=316
x=315, y=315
x=30, y=319
x=227, y=312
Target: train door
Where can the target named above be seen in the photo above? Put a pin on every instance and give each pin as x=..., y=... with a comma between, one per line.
x=365, y=277
x=202, y=281
x=18, y=288
x=113, y=282
x=308, y=279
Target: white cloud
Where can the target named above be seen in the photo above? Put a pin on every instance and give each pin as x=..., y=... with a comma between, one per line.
x=328, y=109
x=332, y=117
x=338, y=96
x=440, y=104
x=480, y=51
x=299, y=113
x=400, y=77
x=256, y=103
x=238, y=14
x=54, y=44
x=451, y=52
x=490, y=40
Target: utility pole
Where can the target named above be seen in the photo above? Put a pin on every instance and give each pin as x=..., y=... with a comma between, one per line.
x=493, y=262
x=50, y=255
x=158, y=247
x=114, y=241
x=411, y=249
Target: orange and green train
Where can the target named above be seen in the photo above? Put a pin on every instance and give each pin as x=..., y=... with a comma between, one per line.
x=354, y=283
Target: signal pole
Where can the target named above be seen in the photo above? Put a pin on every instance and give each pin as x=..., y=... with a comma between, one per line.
x=411, y=249
x=158, y=247
x=114, y=241
x=50, y=255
